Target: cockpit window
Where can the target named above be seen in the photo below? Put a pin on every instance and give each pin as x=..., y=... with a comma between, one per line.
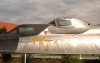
x=64, y=23
x=14, y=32
x=26, y=30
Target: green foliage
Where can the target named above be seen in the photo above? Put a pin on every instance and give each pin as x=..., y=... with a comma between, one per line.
x=68, y=58
x=0, y=30
x=6, y=57
x=3, y=30
x=29, y=58
x=22, y=58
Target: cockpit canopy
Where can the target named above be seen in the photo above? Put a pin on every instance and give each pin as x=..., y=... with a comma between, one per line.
x=64, y=23
x=68, y=26
x=61, y=22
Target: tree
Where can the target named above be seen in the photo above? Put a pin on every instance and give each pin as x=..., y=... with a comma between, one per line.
x=3, y=30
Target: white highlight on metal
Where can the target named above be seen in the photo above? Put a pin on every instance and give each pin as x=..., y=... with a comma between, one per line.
x=93, y=31
x=74, y=42
x=77, y=23
x=45, y=45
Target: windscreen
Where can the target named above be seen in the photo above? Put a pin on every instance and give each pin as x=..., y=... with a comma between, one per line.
x=64, y=22
x=26, y=30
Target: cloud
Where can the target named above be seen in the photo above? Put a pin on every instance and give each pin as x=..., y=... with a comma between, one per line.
x=44, y=11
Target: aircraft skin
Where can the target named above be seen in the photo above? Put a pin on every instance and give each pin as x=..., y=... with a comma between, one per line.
x=61, y=36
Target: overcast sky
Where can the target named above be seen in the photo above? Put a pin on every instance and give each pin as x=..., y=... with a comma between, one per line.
x=44, y=11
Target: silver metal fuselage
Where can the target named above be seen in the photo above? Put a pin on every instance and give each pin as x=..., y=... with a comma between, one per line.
x=84, y=43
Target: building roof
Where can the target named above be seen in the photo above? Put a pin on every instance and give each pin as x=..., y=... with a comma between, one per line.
x=9, y=26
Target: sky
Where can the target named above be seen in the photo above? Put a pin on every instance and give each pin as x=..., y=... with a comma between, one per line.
x=44, y=11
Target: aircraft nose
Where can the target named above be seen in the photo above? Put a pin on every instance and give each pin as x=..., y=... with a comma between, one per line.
x=8, y=42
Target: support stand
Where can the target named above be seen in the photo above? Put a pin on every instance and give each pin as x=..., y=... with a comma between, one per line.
x=25, y=58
